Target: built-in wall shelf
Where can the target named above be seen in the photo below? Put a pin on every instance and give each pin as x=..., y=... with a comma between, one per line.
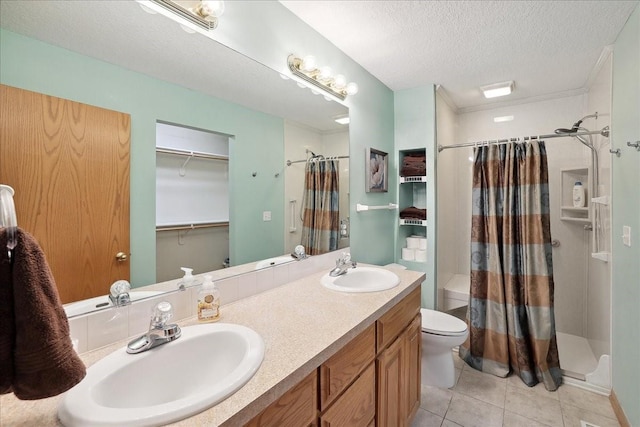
x=568, y=212
x=602, y=256
x=408, y=179
x=421, y=222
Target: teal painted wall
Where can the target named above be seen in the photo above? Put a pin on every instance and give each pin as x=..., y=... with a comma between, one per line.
x=257, y=143
x=625, y=126
x=268, y=32
x=415, y=118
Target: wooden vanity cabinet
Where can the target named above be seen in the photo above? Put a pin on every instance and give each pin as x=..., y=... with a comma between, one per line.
x=348, y=383
x=398, y=365
x=374, y=380
x=296, y=408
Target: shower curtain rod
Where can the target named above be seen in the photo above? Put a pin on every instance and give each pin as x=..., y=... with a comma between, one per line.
x=604, y=132
x=290, y=162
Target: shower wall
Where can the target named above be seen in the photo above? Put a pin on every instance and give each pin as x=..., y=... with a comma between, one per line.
x=447, y=178
x=582, y=308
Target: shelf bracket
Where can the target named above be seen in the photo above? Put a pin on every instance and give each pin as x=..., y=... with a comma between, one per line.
x=183, y=168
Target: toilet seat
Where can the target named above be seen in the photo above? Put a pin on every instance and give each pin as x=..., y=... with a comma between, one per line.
x=439, y=323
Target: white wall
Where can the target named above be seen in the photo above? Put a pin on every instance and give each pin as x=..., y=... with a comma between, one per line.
x=598, y=320
x=446, y=134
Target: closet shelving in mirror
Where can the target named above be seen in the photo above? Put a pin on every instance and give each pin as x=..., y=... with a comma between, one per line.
x=190, y=155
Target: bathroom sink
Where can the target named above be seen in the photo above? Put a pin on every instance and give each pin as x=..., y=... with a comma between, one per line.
x=362, y=279
x=173, y=381
x=273, y=261
x=95, y=303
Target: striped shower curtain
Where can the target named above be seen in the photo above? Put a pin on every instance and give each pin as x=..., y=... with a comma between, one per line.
x=510, y=314
x=320, y=216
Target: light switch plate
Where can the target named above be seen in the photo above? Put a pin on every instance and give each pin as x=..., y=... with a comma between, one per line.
x=626, y=235
x=266, y=216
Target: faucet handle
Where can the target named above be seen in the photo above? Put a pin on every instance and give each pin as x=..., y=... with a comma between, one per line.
x=161, y=314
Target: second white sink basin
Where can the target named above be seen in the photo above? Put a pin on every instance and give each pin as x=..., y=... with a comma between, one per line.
x=362, y=279
x=173, y=381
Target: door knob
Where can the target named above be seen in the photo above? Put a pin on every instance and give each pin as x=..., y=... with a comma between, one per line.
x=121, y=257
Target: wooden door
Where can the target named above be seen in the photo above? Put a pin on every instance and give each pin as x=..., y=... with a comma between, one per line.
x=69, y=166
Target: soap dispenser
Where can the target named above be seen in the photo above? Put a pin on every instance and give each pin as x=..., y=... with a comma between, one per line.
x=187, y=279
x=208, y=301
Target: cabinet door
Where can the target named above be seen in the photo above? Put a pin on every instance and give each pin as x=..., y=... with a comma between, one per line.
x=413, y=345
x=357, y=406
x=391, y=385
x=297, y=407
x=342, y=368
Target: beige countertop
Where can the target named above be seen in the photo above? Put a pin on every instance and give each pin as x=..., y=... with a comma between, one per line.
x=302, y=324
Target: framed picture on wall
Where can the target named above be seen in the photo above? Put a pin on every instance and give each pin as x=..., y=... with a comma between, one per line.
x=376, y=170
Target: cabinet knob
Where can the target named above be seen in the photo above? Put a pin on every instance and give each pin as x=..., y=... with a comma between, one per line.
x=121, y=257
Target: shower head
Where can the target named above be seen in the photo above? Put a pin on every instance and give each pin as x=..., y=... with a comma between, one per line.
x=574, y=128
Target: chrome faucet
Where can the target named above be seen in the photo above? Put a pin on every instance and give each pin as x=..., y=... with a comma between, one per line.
x=159, y=331
x=342, y=265
x=119, y=293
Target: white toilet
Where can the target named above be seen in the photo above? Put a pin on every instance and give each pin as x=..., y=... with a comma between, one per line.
x=441, y=332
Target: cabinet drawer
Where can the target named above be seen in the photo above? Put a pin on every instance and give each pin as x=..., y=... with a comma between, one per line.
x=295, y=408
x=343, y=367
x=396, y=319
x=357, y=406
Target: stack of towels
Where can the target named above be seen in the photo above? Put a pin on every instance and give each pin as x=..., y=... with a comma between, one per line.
x=416, y=249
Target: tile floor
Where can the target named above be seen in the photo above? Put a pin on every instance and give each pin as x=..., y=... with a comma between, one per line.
x=484, y=400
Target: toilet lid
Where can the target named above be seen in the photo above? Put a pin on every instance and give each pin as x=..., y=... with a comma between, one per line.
x=437, y=322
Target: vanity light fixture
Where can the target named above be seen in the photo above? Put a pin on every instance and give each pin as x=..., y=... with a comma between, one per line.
x=204, y=14
x=497, y=89
x=321, y=77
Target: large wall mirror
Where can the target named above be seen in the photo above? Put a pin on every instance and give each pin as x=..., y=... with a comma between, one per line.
x=117, y=56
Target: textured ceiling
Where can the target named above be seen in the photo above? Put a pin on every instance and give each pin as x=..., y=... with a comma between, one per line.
x=546, y=47
x=110, y=30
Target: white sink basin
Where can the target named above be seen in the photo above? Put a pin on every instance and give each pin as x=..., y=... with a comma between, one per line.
x=173, y=381
x=95, y=303
x=273, y=261
x=362, y=279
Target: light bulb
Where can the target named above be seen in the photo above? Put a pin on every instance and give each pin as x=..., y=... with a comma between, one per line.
x=308, y=63
x=352, y=88
x=339, y=81
x=208, y=8
x=325, y=73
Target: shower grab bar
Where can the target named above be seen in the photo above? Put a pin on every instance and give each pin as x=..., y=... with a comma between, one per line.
x=292, y=206
x=361, y=208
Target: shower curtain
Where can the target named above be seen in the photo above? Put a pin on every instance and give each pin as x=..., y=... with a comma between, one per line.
x=320, y=218
x=510, y=314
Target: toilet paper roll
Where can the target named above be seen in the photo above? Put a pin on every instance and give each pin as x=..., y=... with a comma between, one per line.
x=422, y=244
x=413, y=242
x=420, y=255
x=408, y=254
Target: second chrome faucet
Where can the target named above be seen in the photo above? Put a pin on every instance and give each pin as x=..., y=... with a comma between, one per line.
x=342, y=265
x=160, y=331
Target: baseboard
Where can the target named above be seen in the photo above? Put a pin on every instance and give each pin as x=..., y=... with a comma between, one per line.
x=617, y=409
